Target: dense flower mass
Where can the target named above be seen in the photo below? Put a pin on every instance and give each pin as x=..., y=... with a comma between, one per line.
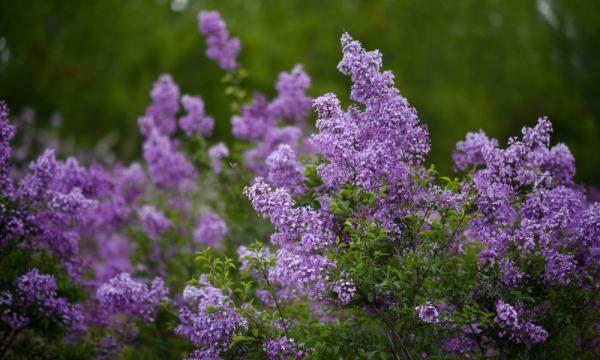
x=208, y=319
x=123, y=295
x=366, y=253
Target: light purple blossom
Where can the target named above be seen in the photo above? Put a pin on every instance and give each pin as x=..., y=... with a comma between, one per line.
x=195, y=122
x=160, y=115
x=284, y=348
x=207, y=318
x=217, y=153
x=153, y=221
x=220, y=47
x=428, y=313
x=210, y=230
x=124, y=295
x=168, y=168
x=284, y=170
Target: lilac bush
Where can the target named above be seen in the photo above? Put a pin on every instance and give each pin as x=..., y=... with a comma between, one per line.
x=345, y=244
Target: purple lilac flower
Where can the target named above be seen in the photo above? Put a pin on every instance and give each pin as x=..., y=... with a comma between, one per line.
x=207, y=318
x=284, y=170
x=534, y=334
x=195, y=122
x=205, y=354
x=470, y=152
x=216, y=153
x=587, y=234
x=258, y=121
x=39, y=290
x=210, y=230
x=511, y=275
x=153, y=221
x=377, y=141
x=301, y=272
x=7, y=132
x=254, y=121
x=296, y=227
x=254, y=158
x=55, y=206
x=160, y=116
x=220, y=47
x=559, y=267
x=284, y=348
x=291, y=102
x=123, y=295
x=547, y=218
x=168, y=168
x=507, y=317
x=513, y=326
x=428, y=313
x=345, y=290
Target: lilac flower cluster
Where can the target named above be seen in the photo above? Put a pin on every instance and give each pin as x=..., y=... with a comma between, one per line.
x=210, y=230
x=546, y=221
x=302, y=234
x=38, y=291
x=154, y=222
x=195, y=122
x=7, y=132
x=513, y=326
x=124, y=295
x=46, y=204
x=291, y=102
x=284, y=348
x=375, y=142
x=165, y=104
x=217, y=153
x=344, y=289
x=208, y=320
x=428, y=313
x=220, y=47
x=258, y=120
x=284, y=170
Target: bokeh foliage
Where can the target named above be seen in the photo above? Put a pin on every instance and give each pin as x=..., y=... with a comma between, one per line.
x=464, y=64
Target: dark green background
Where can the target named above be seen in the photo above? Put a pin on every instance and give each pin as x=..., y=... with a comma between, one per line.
x=463, y=64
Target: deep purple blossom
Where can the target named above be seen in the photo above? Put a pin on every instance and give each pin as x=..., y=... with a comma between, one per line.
x=39, y=291
x=7, y=132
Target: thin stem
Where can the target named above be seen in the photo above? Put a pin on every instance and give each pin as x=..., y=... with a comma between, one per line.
x=9, y=343
x=281, y=317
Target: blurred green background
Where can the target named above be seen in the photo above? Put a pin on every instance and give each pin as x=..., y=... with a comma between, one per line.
x=464, y=64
